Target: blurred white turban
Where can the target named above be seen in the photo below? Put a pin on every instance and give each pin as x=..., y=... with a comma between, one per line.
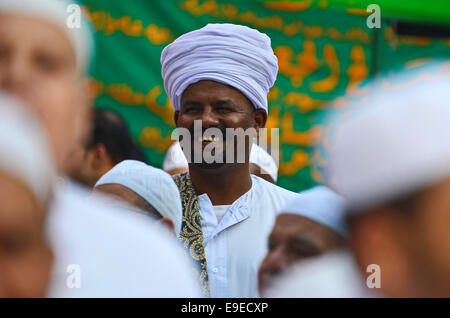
x=57, y=12
x=154, y=185
x=24, y=150
x=321, y=205
x=175, y=159
x=395, y=145
x=226, y=53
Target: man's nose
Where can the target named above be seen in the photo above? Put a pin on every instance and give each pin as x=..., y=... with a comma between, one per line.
x=276, y=262
x=209, y=118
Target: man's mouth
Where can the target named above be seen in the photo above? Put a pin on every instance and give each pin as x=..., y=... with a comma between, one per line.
x=208, y=139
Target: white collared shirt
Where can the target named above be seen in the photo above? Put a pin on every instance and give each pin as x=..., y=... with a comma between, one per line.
x=236, y=245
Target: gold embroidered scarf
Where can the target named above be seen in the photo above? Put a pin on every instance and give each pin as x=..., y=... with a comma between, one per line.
x=191, y=233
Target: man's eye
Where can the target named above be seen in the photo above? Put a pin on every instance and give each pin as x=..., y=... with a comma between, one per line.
x=15, y=244
x=190, y=109
x=223, y=109
x=304, y=252
x=48, y=63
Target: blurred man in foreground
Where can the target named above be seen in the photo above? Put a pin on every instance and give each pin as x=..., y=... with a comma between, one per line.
x=389, y=159
x=44, y=63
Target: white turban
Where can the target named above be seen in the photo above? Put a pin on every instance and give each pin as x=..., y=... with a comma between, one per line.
x=57, y=13
x=175, y=159
x=321, y=205
x=152, y=184
x=230, y=54
x=395, y=145
x=24, y=151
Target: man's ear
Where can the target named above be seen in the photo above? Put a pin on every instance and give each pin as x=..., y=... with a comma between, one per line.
x=175, y=117
x=259, y=118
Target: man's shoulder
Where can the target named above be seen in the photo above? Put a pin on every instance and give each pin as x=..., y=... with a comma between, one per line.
x=264, y=184
x=268, y=189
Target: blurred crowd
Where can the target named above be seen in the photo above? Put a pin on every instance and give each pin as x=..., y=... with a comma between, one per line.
x=83, y=215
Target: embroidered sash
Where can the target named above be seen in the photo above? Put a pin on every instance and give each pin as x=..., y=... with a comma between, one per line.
x=191, y=233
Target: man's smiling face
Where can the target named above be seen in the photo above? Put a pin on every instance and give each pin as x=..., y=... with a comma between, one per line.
x=217, y=106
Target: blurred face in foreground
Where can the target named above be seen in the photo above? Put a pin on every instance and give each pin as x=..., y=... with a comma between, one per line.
x=410, y=241
x=38, y=65
x=293, y=239
x=25, y=257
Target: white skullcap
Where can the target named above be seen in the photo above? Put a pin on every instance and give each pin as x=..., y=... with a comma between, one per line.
x=175, y=159
x=264, y=160
x=24, y=151
x=395, y=145
x=321, y=205
x=152, y=184
x=230, y=54
x=56, y=12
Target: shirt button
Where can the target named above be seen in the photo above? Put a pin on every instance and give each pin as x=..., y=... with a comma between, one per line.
x=215, y=270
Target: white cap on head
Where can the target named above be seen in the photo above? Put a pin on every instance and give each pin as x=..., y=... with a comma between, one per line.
x=58, y=13
x=152, y=184
x=24, y=150
x=264, y=160
x=321, y=205
x=395, y=145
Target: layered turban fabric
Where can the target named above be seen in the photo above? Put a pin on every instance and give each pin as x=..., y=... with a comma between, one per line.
x=58, y=13
x=230, y=54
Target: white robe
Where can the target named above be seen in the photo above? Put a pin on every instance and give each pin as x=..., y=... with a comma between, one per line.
x=236, y=246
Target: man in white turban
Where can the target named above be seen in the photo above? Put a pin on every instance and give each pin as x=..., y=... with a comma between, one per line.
x=306, y=227
x=99, y=251
x=218, y=78
x=149, y=189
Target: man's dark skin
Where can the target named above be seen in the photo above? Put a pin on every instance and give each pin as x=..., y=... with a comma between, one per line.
x=221, y=106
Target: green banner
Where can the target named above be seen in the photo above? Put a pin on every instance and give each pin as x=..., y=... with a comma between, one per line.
x=323, y=49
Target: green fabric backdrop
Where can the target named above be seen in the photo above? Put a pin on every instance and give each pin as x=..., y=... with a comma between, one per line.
x=323, y=47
